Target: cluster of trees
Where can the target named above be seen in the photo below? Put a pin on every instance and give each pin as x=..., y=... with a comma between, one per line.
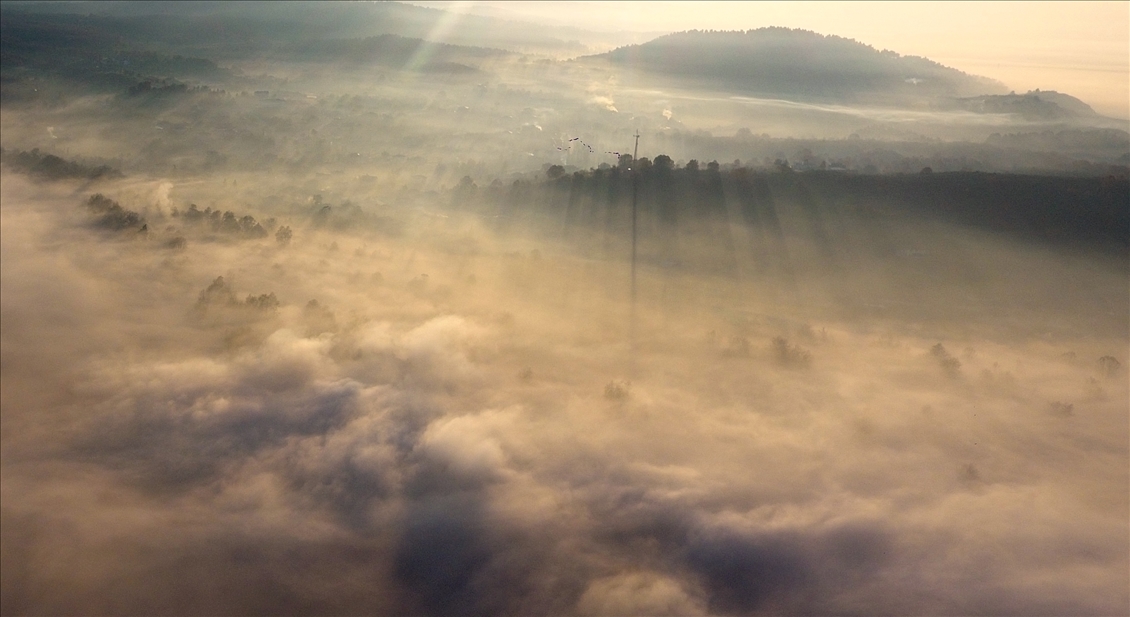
x=226, y=222
x=109, y=214
x=781, y=351
x=789, y=355
x=50, y=167
x=318, y=319
x=949, y=364
x=231, y=224
x=348, y=215
x=220, y=294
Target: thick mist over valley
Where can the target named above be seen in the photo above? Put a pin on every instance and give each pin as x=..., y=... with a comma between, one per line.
x=373, y=309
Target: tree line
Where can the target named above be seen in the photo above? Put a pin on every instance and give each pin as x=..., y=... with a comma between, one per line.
x=1091, y=212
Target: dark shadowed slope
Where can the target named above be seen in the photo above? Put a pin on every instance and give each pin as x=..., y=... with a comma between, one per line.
x=248, y=26
x=85, y=46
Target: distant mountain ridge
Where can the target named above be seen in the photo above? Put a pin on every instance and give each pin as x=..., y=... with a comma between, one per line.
x=800, y=63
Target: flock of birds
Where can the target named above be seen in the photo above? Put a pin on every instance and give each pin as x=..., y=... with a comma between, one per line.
x=569, y=146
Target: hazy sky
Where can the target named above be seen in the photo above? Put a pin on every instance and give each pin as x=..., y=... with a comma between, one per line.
x=1081, y=48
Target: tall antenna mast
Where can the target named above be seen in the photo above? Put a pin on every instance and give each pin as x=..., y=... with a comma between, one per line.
x=635, y=193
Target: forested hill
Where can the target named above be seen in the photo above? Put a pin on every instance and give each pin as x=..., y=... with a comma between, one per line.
x=797, y=63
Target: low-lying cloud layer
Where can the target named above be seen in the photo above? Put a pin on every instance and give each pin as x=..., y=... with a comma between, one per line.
x=455, y=421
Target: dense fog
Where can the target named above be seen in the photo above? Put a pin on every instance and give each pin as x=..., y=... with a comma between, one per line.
x=347, y=325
